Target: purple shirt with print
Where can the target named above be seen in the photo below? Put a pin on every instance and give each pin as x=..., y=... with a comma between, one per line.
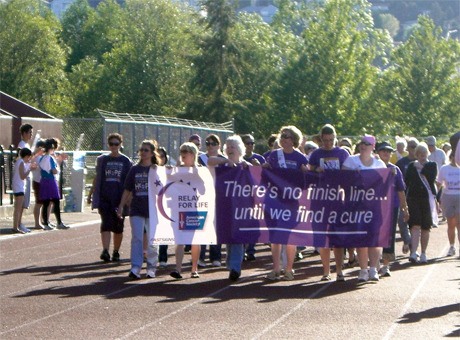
x=137, y=182
x=328, y=159
x=293, y=160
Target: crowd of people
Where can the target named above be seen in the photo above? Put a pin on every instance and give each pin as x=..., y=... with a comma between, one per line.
x=426, y=182
x=37, y=168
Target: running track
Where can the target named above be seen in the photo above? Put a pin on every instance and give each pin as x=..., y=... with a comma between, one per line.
x=53, y=286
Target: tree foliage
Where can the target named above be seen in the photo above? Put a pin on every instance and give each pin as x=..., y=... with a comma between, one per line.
x=419, y=92
x=333, y=75
x=31, y=58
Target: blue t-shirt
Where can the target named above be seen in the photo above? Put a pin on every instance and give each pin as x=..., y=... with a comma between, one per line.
x=328, y=159
x=137, y=182
x=293, y=160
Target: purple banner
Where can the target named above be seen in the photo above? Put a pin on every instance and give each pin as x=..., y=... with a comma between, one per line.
x=335, y=209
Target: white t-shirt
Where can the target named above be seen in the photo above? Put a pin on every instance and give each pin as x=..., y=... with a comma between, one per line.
x=438, y=156
x=18, y=184
x=22, y=144
x=449, y=176
x=354, y=163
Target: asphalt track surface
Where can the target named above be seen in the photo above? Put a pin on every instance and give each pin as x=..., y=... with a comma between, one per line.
x=53, y=286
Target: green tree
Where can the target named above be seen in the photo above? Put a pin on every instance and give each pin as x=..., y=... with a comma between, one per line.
x=147, y=70
x=263, y=51
x=389, y=22
x=215, y=64
x=31, y=59
x=331, y=79
x=419, y=93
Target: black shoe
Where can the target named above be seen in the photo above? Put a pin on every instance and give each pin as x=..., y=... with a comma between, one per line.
x=250, y=257
x=234, y=275
x=116, y=256
x=105, y=256
x=175, y=274
x=134, y=276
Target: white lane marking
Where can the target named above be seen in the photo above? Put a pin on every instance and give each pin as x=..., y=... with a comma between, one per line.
x=408, y=304
x=75, y=225
x=292, y=311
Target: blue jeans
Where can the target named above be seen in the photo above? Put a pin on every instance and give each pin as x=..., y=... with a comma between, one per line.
x=235, y=255
x=138, y=225
x=404, y=229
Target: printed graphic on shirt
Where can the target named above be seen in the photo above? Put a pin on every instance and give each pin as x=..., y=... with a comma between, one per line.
x=113, y=171
x=141, y=186
x=332, y=163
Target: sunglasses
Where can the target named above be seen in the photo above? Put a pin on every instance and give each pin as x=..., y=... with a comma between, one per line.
x=286, y=136
x=144, y=150
x=249, y=143
x=366, y=143
x=113, y=144
x=211, y=143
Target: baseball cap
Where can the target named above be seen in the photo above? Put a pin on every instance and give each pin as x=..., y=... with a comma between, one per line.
x=384, y=146
x=368, y=139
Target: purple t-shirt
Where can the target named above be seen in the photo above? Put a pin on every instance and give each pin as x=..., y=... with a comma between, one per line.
x=113, y=174
x=399, y=183
x=328, y=159
x=137, y=182
x=260, y=158
x=293, y=160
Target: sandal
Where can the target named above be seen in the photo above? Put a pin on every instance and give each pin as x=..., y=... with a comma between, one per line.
x=195, y=275
x=326, y=278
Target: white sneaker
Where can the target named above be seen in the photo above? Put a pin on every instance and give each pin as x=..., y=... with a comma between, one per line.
x=162, y=265
x=201, y=263
x=373, y=274
x=451, y=251
x=413, y=257
x=216, y=263
x=23, y=228
x=385, y=271
x=363, y=275
x=423, y=258
x=151, y=273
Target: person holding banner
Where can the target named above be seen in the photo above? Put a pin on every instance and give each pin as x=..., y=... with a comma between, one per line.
x=384, y=150
x=163, y=159
x=234, y=150
x=287, y=157
x=421, y=198
x=137, y=192
x=212, y=142
x=363, y=161
x=329, y=157
x=188, y=157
